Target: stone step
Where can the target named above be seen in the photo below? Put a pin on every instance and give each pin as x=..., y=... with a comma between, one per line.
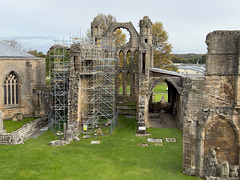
x=122, y=107
x=127, y=112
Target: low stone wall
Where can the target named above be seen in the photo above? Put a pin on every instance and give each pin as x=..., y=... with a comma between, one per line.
x=21, y=134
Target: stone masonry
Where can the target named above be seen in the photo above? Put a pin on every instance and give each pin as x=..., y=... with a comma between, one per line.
x=211, y=105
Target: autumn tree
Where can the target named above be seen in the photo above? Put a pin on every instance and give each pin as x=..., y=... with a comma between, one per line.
x=119, y=38
x=106, y=20
x=162, y=49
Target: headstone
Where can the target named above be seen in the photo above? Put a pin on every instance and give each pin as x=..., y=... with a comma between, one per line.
x=86, y=136
x=224, y=171
x=151, y=140
x=170, y=140
x=162, y=99
x=95, y=141
x=1, y=122
x=143, y=144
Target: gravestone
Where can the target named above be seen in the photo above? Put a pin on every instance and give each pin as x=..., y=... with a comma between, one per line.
x=170, y=140
x=162, y=99
x=95, y=142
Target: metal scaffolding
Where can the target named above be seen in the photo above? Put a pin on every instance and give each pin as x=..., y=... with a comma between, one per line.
x=59, y=66
x=95, y=67
x=97, y=70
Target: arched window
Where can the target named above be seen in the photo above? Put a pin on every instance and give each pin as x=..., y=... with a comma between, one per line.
x=120, y=83
x=129, y=83
x=11, y=89
x=95, y=30
x=120, y=63
x=135, y=58
x=128, y=58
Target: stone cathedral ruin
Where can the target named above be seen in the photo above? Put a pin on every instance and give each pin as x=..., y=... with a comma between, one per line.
x=88, y=90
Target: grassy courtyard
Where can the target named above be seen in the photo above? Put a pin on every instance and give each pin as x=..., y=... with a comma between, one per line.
x=116, y=157
x=159, y=91
x=14, y=125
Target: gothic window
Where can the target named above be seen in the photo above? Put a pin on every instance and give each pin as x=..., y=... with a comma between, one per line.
x=11, y=89
x=129, y=83
x=143, y=63
x=120, y=63
x=135, y=58
x=128, y=58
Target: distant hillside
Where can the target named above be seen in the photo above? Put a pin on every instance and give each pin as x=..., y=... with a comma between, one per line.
x=190, y=58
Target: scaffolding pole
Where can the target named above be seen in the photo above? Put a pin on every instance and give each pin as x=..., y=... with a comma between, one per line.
x=59, y=65
x=97, y=69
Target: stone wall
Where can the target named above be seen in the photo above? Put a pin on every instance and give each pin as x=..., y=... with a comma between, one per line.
x=220, y=135
x=31, y=75
x=192, y=111
x=211, y=118
x=21, y=134
x=222, y=52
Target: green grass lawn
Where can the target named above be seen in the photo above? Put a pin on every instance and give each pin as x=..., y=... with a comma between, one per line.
x=160, y=88
x=159, y=91
x=121, y=89
x=116, y=157
x=47, y=81
x=159, y=96
x=14, y=125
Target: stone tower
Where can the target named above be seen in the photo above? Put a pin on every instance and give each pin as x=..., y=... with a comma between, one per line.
x=97, y=29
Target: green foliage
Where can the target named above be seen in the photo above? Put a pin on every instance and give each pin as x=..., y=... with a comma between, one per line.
x=157, y=97
x=14, y=125
x=36, y=53
x=190, y=58
x=119, y=38
x=162, y=49
x=117, y=157
x=57, y=54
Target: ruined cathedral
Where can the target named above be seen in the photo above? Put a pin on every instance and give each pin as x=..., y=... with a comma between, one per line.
x=206, y=108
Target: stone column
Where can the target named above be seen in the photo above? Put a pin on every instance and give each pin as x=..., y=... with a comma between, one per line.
x=124, y=82
x=237, y=96
x=1, y=123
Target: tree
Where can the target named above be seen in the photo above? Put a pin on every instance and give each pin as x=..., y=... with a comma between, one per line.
x=106, y=20
x=36, y=53
x=13, y=43
x=119, y=38
x=42, y=55
x=162, y=49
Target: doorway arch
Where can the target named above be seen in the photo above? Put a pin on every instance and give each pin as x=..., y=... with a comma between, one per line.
x=164, y=114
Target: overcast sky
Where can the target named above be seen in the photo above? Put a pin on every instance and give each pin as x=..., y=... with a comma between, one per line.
x=36, y=23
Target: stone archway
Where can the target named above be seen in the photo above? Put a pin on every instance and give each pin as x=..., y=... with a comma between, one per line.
x=221, y=135
x=134, y=36
x=170, y=112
